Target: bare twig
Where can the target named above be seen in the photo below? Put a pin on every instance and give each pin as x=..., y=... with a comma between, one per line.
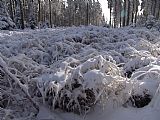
x=4, y=67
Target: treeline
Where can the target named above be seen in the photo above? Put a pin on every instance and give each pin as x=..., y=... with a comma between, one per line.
x=51, y=13
x=126, y=12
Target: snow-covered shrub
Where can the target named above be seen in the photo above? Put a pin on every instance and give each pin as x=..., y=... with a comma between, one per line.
x=77, y=89
x=136, y=63
x=106, y=25
x=149, y=23
x=146, y=82
x=14, y=87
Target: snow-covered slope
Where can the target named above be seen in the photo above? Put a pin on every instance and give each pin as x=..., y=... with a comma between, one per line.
x=99, y=73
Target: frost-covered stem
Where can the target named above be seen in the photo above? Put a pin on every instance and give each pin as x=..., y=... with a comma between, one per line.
x=4, y=67
x=100, y=93
x=155, y=103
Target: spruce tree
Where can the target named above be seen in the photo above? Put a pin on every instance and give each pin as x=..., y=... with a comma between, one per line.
x=6, y=22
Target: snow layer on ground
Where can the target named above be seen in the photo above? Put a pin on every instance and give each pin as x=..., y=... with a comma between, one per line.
x=120, y=62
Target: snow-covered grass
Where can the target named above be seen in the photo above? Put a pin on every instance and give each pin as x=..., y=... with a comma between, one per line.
x=81, y=70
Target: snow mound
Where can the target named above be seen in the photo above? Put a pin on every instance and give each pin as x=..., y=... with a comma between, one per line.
x=77, y=89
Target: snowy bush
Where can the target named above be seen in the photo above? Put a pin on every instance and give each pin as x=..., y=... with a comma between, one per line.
x=77, y=89
x=149, y=23
x=146, y=82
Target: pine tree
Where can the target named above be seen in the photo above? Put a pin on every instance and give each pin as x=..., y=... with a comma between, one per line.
x=5, y=20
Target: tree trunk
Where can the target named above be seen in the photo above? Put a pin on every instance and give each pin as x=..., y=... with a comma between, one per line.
x=50, y=13
x=158, y=13
x=154, y=8
x=39, y=11
x=110, y=22
x=132, y=19
x=124, y=17
x=128, y=13
x=135, y=18
x=120, y=21
x=11, y=9
x=55, y=17
x=14, y=7
x=22, y=14
x=87, y=15
x=115, y=14
x=157, y=8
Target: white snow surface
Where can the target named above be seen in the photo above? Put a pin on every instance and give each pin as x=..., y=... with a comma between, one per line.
x=98, y=58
